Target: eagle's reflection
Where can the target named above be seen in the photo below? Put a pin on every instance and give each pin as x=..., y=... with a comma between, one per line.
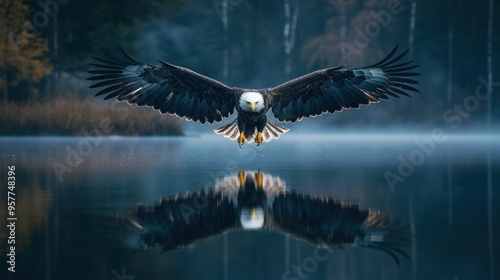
x=251, y=201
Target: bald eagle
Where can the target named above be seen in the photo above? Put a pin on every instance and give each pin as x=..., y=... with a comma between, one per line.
x=257, y=201
x=184, y=93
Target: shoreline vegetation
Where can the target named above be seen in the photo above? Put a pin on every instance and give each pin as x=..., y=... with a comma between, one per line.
x=72, y=116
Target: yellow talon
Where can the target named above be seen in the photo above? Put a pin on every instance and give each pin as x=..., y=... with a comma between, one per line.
x=241, y=178
x=259, y=139
x=259, y=177
x=241, y=139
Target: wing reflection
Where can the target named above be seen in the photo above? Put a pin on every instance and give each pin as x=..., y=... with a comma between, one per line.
x=255, y=201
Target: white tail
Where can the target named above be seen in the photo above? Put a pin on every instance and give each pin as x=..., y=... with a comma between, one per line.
x=271, y=131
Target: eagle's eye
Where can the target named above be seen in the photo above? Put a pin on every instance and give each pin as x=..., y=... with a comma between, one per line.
x=248, y=102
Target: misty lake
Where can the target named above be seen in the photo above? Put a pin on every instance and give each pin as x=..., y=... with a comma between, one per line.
x=65, y=186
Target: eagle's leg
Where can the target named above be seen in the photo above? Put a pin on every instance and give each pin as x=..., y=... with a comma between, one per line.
x=261, y=124
x=241, y=127
x=241, y=139
x=259, y=139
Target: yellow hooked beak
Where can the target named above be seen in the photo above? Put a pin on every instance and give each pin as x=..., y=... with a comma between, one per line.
x=252, y=214
x=252, y=106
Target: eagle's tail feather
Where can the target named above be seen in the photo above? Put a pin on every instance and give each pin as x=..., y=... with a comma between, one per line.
x=271, y=131
x=229, y=130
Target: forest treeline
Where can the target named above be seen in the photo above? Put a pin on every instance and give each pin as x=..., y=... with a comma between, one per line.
x=47, y=43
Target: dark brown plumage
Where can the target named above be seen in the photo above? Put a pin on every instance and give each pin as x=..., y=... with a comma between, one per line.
x=184, y=93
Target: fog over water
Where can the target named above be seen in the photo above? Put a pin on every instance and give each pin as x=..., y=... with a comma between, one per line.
x=437, y=185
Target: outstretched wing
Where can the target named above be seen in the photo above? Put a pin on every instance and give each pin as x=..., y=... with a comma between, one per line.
x=169, y=88
x=180, y=221
x=320, y=220
x=333, y=89
x=325, y=222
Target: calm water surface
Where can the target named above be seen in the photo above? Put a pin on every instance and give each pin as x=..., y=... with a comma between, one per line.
x=65, y=186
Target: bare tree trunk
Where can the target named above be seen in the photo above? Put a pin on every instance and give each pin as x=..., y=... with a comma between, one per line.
x=412, y=26
x=449, y=93
x=488, y=156
x=289, y=32
x=225, y=39
x=343, y=29
x=225, y=75
x=489, y=60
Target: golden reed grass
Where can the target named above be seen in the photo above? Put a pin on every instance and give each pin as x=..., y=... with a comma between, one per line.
x=70, y=116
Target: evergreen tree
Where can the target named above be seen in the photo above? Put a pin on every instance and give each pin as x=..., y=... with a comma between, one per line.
x=22, y=51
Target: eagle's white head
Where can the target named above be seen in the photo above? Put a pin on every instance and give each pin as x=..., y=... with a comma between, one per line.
x=252, y=101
